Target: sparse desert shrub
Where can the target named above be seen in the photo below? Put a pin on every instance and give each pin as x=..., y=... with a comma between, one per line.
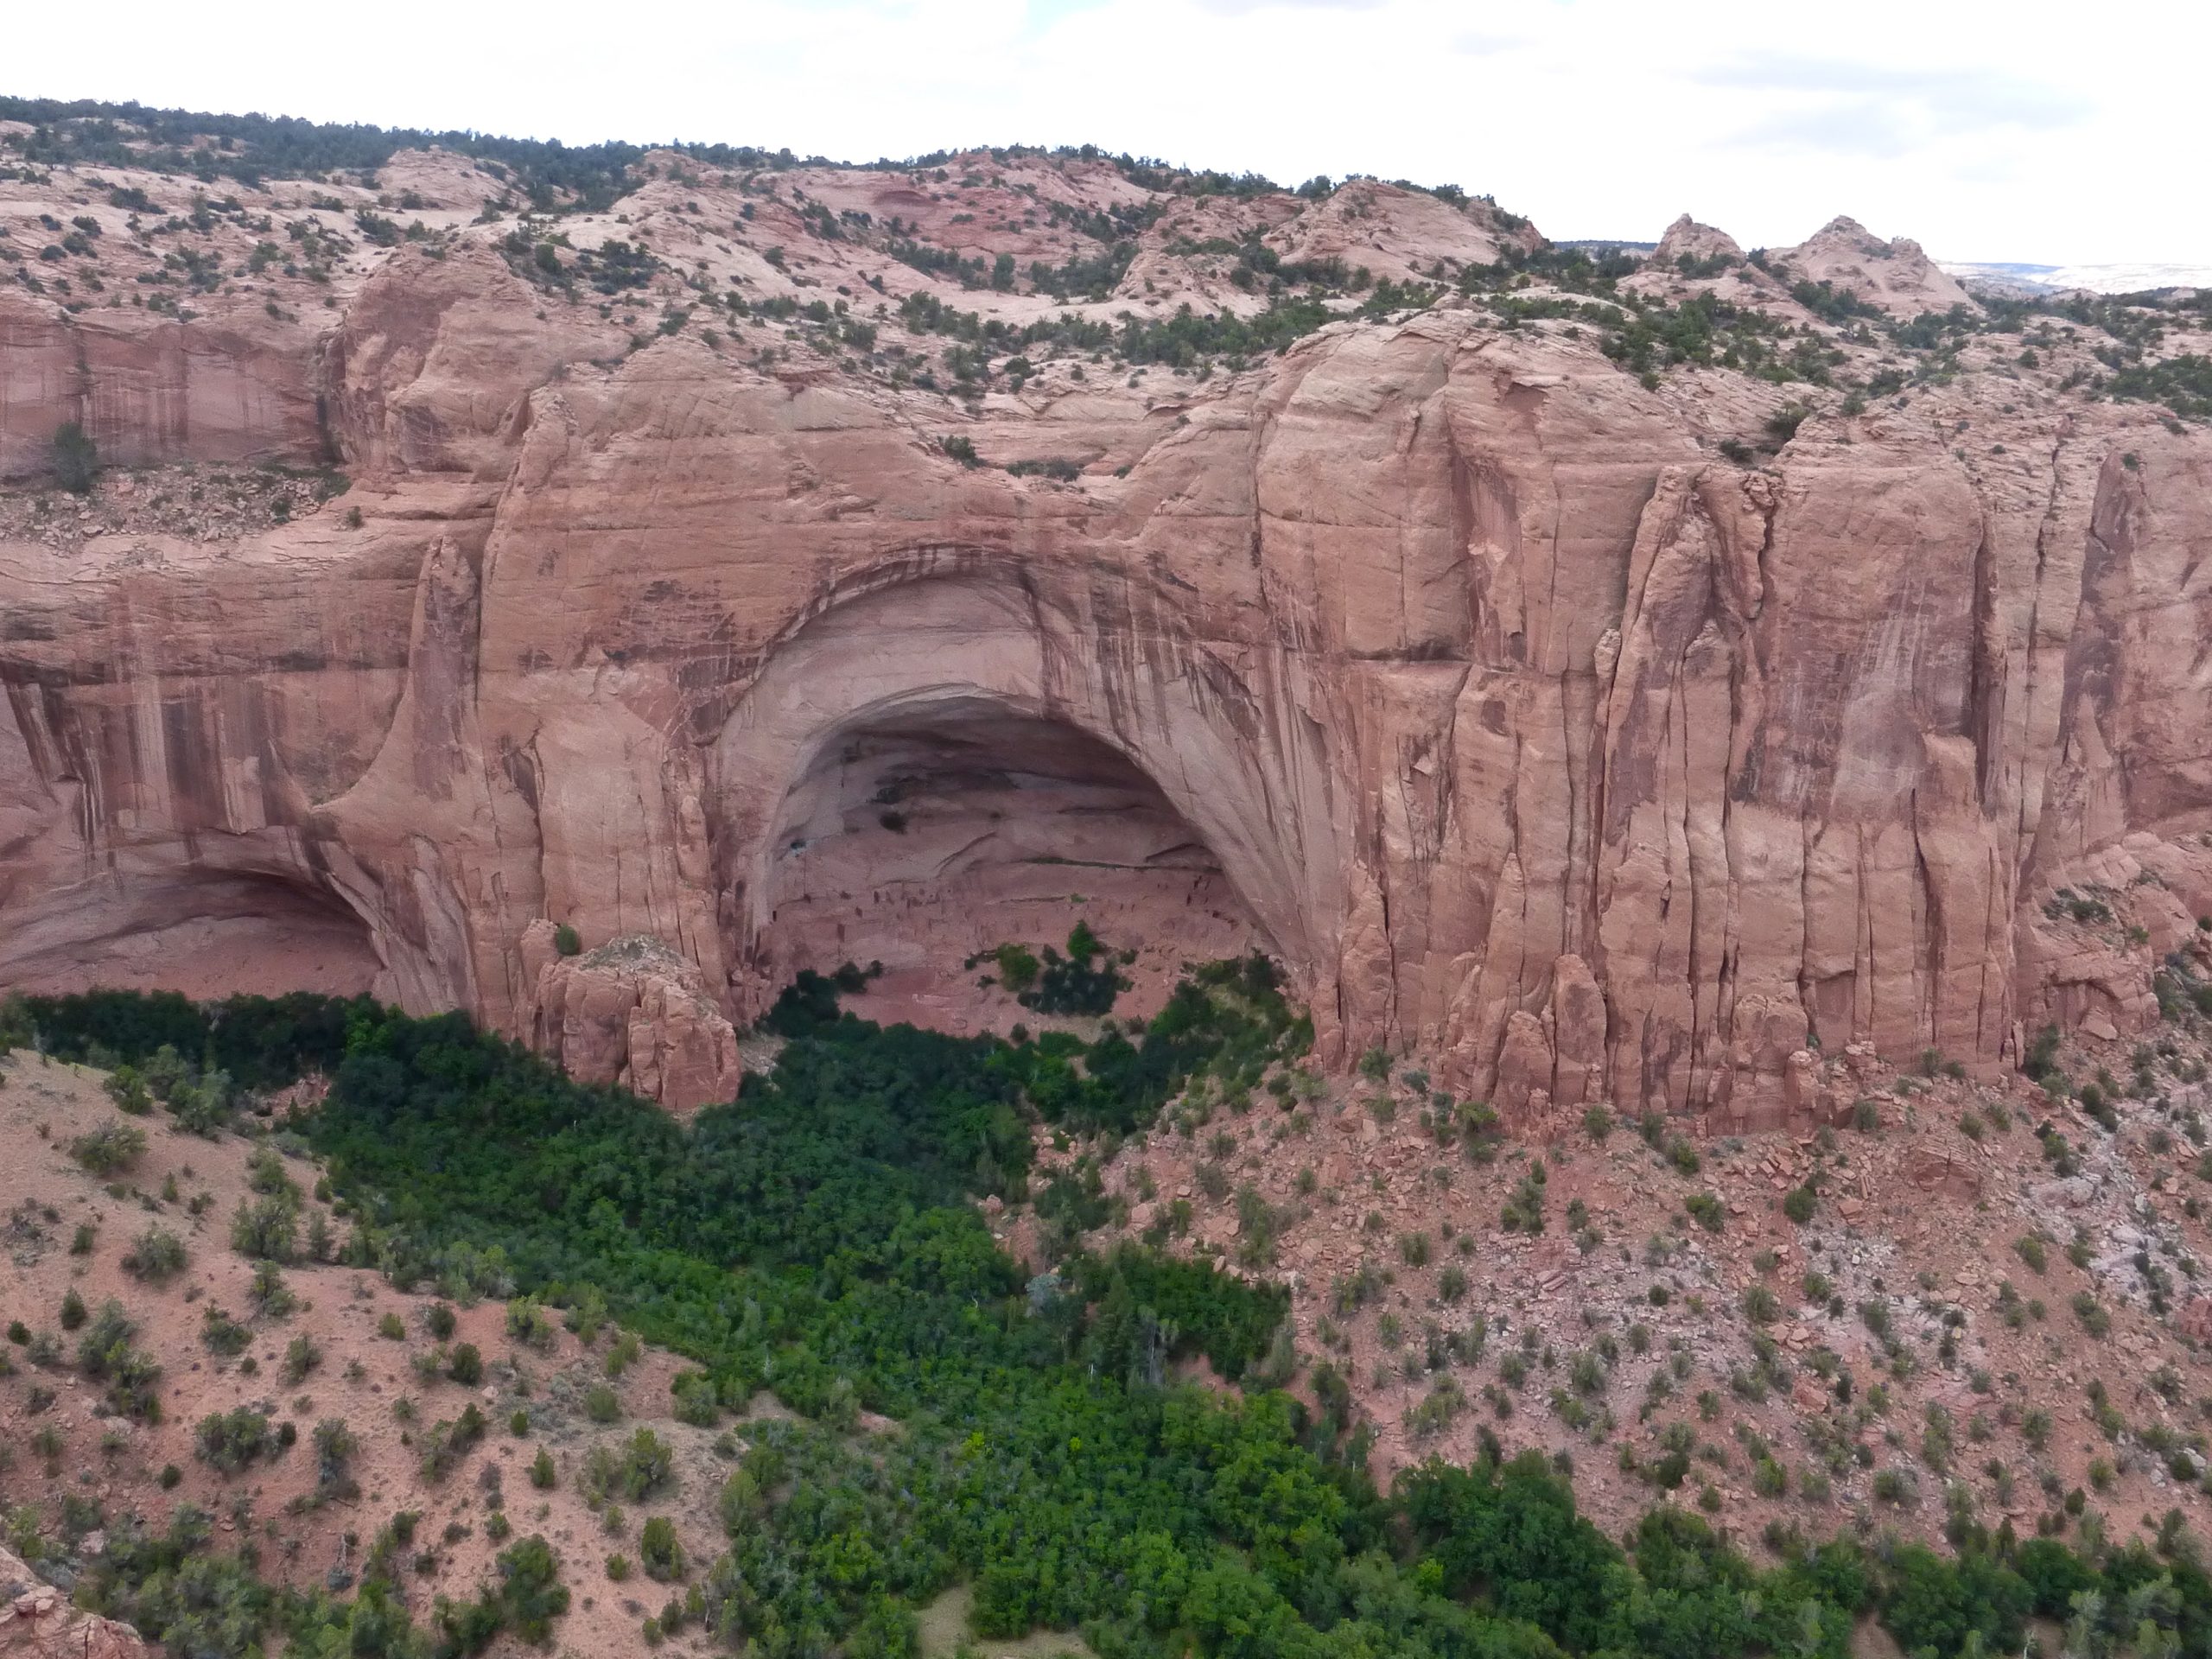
x=110, y=1149
x=105, y=1354
x=2095, y=1319
x=127, y=1089
x=266, y=1229
x=1899, y=1488
x=227, y=1442
x=529, y=1323
x=156, y=1254
x=301, y=1357
x=1524, y=1210
x=449, y=1442
x=587, y=1315
x=659, y=1552
x=271, y=1297
x=265, y=1172
x=1018, y=967
x=1589, y=1373
x=696, y=1404
x=200, y=1105
x=222, y=1335
x=335, y=1445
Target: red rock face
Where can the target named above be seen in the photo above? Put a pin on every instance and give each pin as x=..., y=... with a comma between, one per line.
x=632, y=1013
x=150, y=389
x=1451, y=664
x=38, y=1622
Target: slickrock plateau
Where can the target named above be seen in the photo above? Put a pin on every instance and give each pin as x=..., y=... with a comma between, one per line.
x=1601, y=678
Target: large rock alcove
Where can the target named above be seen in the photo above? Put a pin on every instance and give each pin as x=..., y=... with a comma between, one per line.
x=955, y=774
x=941, y=826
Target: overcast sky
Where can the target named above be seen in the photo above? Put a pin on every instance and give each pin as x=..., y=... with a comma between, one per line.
x=1986, y=131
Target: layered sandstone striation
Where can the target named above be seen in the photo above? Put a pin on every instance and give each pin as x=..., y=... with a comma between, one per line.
x=1441, y=654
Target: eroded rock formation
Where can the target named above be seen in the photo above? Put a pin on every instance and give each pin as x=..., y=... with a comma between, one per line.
x=633, y=1012
x=1453, y=662
x=38, y=1622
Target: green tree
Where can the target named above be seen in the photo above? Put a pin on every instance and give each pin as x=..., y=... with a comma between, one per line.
x=76, y=459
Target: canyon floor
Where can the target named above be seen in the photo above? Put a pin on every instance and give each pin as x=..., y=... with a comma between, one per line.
x=1963, y=1301
x=69, y=1465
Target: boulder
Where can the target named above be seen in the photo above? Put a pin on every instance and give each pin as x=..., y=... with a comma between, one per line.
x=634, y=1013
x=38, y=1622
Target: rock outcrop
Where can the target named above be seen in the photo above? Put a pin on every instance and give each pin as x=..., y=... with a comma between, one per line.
x=1896, y=276
x=38, y=1622
x=1453, y=662
x=632, y=1012
x=1686, y=238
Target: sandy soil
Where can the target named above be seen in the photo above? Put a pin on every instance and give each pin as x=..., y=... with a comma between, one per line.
x=1920, y=1215
x=45, y=1198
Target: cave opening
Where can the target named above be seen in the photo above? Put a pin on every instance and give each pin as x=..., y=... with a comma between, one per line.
x=926, y=834
x=207, y=933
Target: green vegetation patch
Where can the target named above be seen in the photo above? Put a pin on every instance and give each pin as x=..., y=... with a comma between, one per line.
x=817, y=1238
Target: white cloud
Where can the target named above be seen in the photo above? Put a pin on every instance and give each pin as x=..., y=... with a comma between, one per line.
x=1982, y=129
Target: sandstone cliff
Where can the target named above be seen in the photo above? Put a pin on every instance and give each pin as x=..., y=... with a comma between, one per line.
x=1592, y=728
